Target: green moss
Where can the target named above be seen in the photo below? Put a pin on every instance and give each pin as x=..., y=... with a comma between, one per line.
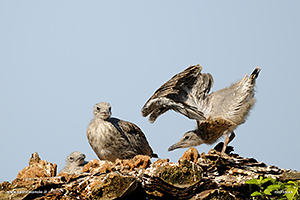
x=184, y=175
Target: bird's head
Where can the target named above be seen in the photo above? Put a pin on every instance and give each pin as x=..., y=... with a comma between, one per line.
x=189, y=139
x=102, y=110
x=76, y=158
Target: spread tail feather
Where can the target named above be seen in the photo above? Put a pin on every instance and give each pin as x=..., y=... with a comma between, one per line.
x=254, y=74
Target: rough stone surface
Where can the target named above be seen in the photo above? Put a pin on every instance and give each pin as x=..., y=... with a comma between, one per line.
x=139, y=161
x=96, y=165
x=191, y=154
x=38, y=168
x=194, y=176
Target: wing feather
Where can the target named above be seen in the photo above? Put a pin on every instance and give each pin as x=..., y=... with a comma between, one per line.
x=183, y=93
x=134, y=135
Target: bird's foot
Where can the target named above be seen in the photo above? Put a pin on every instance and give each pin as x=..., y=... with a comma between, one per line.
x=219, y=148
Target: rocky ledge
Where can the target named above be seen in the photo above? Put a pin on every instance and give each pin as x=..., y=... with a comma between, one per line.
x=194, y=176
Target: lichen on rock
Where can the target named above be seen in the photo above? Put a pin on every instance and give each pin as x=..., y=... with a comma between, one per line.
x=183, y=174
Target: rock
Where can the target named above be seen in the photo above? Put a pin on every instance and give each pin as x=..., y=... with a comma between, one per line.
x=194, y=176
x=214, y=194
x=115, y=186
x=98, y=166
x=161, y=161
x=29, y=178
x=138, y=161
x=191, y=155
x=34, y=158
x=5, y=186
x=38, y=168
x=184, y=174
x=291, y=175
x=5, y=189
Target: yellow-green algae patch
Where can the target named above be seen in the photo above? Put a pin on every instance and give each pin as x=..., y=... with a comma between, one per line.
x=182, y=175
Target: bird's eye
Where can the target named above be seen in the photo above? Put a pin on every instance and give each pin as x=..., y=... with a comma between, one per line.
x=71, y=158
x=98, y=108
x=186, y=137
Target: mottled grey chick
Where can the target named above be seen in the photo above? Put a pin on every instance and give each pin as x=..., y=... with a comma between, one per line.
x=112, y=138
x=217, y=113
x=74, y=163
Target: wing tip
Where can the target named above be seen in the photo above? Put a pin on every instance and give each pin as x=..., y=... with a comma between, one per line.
x=151, y=120
x=197, y=66
x=154, y=155
x=143, y=114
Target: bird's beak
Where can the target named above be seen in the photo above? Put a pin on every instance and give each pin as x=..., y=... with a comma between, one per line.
x=106, y=113
x=81, y=158
x=174, y=146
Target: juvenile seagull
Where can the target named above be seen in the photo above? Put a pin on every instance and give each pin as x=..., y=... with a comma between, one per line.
x=74, y=163
x=112, y=138
x=217, y=113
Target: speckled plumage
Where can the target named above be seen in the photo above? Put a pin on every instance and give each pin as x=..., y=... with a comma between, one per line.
x=74, y=163
x=217, y=113
x=112, y=138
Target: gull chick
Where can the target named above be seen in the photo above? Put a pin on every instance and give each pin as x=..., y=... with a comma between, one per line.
x=74, y=163
x=112, y=138
x=217, y=113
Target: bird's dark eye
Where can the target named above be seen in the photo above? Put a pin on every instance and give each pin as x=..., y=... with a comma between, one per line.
x=98, y=108
x=186, y=137
x=71, y=158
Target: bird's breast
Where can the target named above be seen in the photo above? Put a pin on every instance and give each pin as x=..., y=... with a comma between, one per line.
x=105, y=133
x=105, y=128
x=212, y=129
x=102, y=137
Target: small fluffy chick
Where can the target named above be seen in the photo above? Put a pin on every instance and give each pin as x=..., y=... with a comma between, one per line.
x=74, y=163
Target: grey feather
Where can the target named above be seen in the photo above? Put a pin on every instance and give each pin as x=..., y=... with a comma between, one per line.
x=112, y=138
x=216, y=113
x=181, y=93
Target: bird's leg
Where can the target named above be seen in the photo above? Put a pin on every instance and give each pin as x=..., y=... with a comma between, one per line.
x=227, y=139
x=221, y=145
x=232, y=136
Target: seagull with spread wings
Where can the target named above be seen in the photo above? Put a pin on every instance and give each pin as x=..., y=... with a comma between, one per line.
x=217, y=113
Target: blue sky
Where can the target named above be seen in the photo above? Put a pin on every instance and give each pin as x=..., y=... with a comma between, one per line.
x=59, y=58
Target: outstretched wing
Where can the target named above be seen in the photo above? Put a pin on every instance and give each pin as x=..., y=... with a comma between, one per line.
x=183, y=93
